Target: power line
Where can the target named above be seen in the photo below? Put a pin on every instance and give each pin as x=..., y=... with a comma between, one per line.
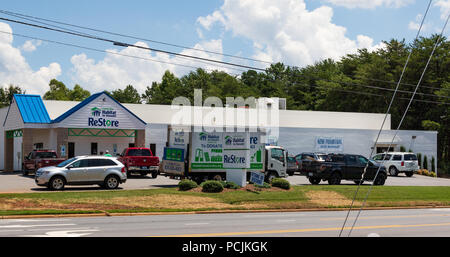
x=404, y=115
x=28, y=17
x=116, y=43
x=105, y=51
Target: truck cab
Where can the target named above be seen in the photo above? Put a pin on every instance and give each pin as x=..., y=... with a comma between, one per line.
x=275, y=163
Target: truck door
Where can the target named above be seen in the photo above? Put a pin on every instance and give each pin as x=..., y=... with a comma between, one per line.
x=277, y=161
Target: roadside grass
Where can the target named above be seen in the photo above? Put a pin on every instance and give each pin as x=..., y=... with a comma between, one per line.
x=172, y=200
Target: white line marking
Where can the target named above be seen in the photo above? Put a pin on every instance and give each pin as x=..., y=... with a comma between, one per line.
x=195, y=224
x=66, y=233
x=32, y=226
x=285, y=221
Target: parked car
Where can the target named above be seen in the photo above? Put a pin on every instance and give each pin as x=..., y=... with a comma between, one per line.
x=398, y=162
x=292, y=165
x=339, y=167
x=140, y=160
x=39, y=159
x=107, y=172
x=307, y=161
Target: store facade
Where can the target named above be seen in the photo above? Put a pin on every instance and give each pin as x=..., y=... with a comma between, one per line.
x=91, y=127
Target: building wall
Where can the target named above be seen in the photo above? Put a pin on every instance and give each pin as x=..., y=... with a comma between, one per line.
x=298, y=140
x=83, y=144
x=156, y=134
x=3, y=112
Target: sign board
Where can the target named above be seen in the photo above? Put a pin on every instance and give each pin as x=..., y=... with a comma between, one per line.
x=236, y=150
x=257, y=178
x=330, y=144
x=207, y=150
x=173, y=161
x=256, y=151
x=173, y=154
x=63, y=151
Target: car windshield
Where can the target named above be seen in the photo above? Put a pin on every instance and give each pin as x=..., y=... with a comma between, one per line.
x=43, y=155
x=291, y=159
x=139, y=152
x=64, y=163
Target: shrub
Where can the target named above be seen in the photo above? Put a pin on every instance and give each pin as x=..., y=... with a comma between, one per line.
x=433, y=164
x=425, y=162
x=402, y=149
x=187, y=184
x=231, y=185
x=265, y=185
x=419, y=158
x=433, y=174
x=420, y=172
x=212, y=186
x=281, y=183
x=425, y=173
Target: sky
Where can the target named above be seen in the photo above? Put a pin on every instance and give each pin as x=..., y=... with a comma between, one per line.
x=295, y=32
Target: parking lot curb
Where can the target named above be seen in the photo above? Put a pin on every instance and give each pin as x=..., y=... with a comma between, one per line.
x=106, y=214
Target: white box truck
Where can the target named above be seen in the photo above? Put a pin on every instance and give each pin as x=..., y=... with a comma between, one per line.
x=213, y=155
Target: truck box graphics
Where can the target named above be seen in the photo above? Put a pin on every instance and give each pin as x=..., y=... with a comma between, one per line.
x=226, y=150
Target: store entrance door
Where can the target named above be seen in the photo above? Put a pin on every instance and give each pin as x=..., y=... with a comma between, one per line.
x=71, y=150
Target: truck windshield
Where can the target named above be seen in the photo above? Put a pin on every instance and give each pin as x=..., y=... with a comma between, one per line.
x=64, y=163
x=139, y=152
x=44, y=155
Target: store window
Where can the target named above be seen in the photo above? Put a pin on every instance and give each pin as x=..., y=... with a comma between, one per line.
x=39, y=146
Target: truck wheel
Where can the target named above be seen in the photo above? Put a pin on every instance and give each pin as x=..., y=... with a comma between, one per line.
x=57, y=183
x=271, y=176
x=154, y=174
x=335, y=179
x=380, y=180
x=409, y=173
x=393, y=171
x=314, y=181
x=217, y=177
x=358, y=182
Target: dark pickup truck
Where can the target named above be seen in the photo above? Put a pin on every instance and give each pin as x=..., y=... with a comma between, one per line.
x=39, y=159
x=140, y=160
x=339, y=167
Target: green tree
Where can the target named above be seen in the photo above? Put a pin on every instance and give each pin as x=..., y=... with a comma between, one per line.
x=7, y=93
x=58, y=91
x=78, y=93
x=128, y=95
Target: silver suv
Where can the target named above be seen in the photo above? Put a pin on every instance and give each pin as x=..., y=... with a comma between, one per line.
x=106, y=172
x=398, y=162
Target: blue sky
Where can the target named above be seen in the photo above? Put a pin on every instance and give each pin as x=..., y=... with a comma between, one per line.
x=295, y=32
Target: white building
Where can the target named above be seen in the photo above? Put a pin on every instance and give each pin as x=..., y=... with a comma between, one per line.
x=100, y=123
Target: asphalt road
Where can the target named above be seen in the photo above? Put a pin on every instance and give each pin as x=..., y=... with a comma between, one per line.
x=16, y=183
x=382, y=223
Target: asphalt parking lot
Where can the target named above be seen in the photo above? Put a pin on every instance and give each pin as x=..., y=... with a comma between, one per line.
x=17, y=183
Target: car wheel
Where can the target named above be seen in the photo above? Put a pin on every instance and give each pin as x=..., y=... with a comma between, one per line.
x=359, y=182
x=409, y=173
x=111, y=182
x=380, y=180
x=25, y=172
x=57, y=183
x=335, y=179
x=393, y=171
x=154, y=174
x=314, y=181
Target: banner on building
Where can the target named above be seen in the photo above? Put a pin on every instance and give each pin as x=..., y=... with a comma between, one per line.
x=329, y=144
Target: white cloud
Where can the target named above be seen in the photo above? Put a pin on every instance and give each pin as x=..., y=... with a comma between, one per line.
x=370, y=4
x=14, y=69
x=444, y=6
x=116, y=71
x=286, y=31
x=31, y=45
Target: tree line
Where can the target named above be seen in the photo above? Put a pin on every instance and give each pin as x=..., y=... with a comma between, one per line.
x=360, y=82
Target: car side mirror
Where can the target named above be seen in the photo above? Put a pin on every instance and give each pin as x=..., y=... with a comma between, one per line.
x=69, y=167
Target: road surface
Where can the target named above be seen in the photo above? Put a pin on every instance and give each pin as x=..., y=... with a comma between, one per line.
x=383, y=223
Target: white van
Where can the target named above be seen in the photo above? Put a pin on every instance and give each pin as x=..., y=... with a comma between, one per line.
x=398, y=162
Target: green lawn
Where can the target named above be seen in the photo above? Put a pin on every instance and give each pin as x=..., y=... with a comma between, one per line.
x=172, y=200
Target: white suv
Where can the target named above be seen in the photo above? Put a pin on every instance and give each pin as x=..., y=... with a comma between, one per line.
x=398, y=162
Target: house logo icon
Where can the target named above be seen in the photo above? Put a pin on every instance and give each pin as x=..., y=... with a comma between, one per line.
x=203, y=136
x=96, y=112
x=228, y=140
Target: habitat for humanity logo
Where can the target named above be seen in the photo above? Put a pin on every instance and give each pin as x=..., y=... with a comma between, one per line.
x=101, y=122
x=228, y=140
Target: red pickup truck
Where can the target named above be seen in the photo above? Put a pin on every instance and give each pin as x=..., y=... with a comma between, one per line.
x=38, y=159
x=140, y=160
